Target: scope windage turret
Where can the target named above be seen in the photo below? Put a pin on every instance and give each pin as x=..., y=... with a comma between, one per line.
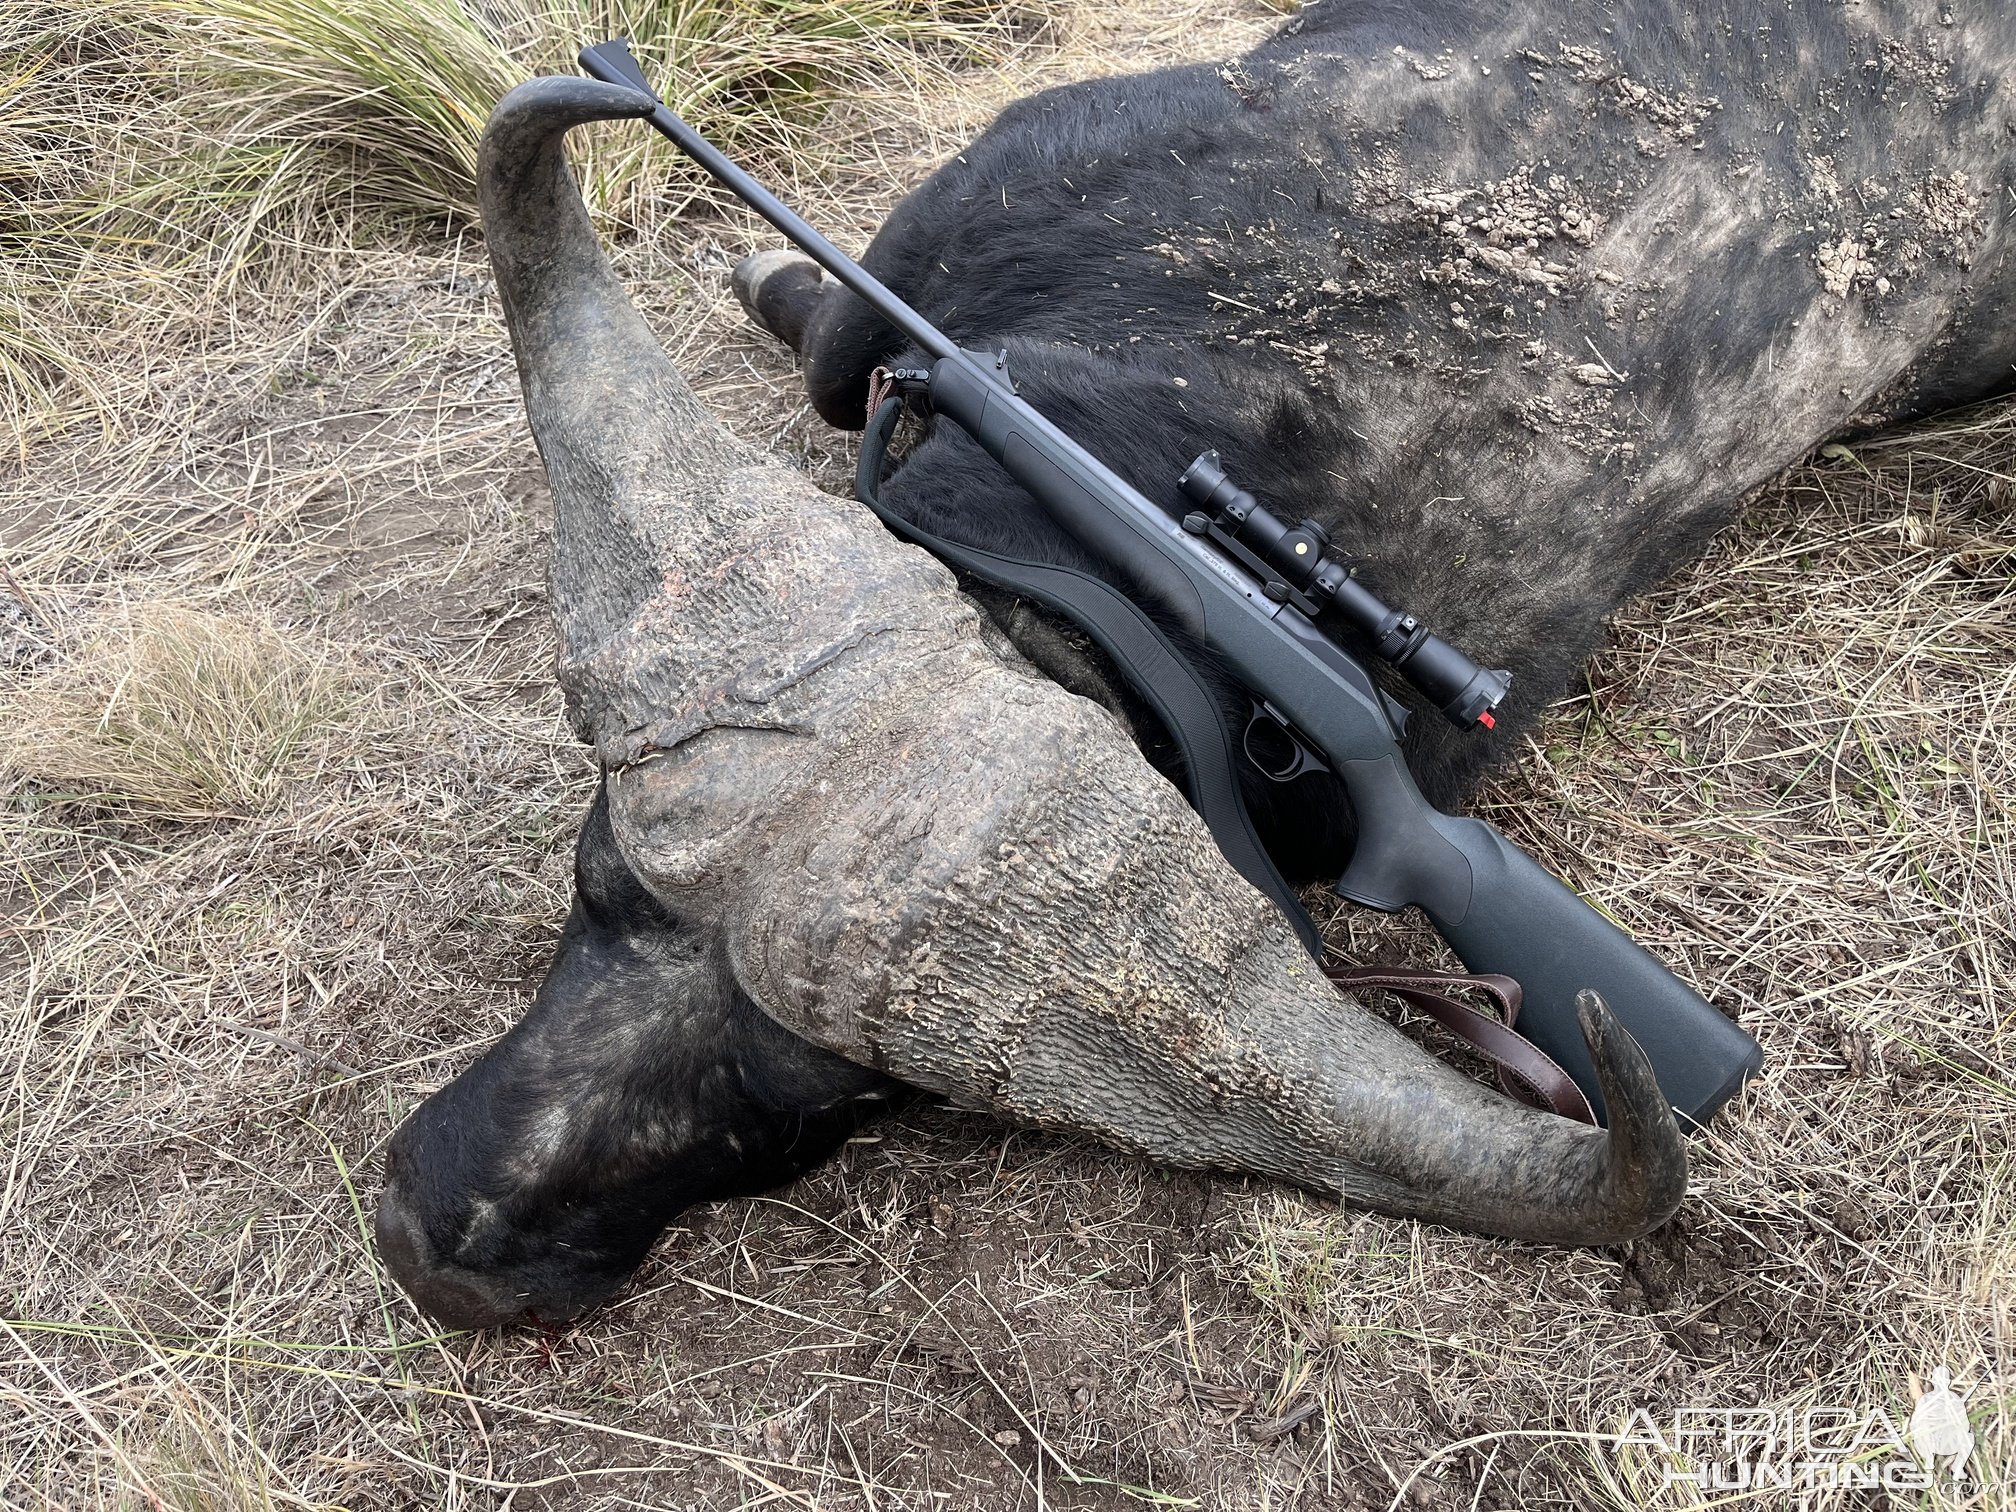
x=1295, y=562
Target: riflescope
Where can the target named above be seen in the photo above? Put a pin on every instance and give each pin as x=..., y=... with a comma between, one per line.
x=1295, y=563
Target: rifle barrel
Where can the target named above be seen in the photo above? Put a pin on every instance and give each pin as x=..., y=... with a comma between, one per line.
x=612, y=63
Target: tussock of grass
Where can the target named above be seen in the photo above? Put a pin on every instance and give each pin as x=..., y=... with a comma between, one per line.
x=174, y=712
x=156, y=152
x=325, y=108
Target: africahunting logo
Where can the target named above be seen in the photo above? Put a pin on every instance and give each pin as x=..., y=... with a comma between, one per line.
x=1814, y=1448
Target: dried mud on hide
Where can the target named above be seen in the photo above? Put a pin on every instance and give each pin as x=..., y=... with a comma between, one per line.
x=1788, y=773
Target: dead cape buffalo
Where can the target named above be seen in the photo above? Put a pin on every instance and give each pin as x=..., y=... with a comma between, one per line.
x=1516, y=301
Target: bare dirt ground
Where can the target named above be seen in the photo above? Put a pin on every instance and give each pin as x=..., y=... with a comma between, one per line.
x=1786, y=773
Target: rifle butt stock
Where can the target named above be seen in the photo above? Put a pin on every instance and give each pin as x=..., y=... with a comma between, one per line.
x=1501, y=911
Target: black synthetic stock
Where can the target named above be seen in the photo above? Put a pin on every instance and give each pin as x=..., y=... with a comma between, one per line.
x=1503, y=912
x=1180, y=697
x=1499, y=909
x=1526, y=924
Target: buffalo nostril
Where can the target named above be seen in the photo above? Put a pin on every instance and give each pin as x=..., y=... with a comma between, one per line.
x=458, y=1299
x=397, y=1235
x=402, y=1243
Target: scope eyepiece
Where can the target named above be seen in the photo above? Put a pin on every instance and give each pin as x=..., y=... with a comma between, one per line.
x=1297, y=558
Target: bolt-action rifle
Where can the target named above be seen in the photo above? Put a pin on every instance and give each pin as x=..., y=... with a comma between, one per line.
x=1247, y=587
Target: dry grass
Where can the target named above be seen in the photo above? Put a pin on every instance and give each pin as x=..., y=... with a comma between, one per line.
x=171, y=711
x=1787, y=773
x=320, y=111
x=59, y=196
x=162, y=161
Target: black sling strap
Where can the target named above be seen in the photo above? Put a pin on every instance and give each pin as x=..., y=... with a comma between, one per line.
x=1180, y=697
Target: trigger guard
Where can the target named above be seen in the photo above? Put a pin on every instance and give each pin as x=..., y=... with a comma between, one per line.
x=1305, y=761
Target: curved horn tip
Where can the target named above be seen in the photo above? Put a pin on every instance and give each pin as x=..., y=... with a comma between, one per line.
x=539, y=107
x=1647, y=1156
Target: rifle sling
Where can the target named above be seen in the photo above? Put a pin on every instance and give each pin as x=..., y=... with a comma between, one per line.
x=1184, y=703
x=1525, y=1071
x=1173, y=687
